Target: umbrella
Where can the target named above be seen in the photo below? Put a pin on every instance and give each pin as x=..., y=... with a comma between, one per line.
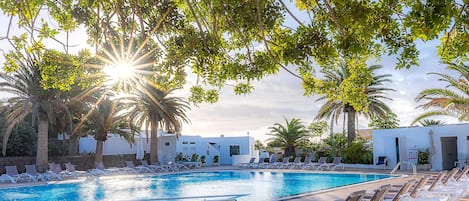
x=140, y=152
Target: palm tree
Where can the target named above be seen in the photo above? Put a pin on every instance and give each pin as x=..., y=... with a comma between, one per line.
x=332, y=109
x=151, y=106
x=29, y=97
x=103, y=119
x=431, y=122
x=452, y=101
x=289, y=136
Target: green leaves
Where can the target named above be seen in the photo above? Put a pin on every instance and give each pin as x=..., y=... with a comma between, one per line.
x=199, y=95
x=58, y=70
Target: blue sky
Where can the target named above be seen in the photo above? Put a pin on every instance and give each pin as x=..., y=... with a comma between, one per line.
x=281, y=96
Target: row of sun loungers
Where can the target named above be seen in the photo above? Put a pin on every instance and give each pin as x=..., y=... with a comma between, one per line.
x=321, y=164
x=56, y=172
x=445, y=186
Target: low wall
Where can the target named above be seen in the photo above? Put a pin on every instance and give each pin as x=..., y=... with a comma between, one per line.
x=83, y=162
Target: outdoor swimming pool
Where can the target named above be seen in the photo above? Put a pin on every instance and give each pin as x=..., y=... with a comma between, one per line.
x=257, y=186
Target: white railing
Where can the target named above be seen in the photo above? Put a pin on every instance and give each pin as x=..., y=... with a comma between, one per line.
x=414, y=167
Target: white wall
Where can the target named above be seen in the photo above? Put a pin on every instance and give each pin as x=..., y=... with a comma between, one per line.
x=187, y=145
x=166, y=149
x=246, y=147
x=418, y=138
x=213, y=146
x=115, y=145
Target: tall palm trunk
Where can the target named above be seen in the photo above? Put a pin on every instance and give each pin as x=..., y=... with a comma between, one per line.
x=99, y=151
x=155, y=118
x=351, y=112
x=42, y=140
x=100, y=137
x=290, y=151
x=73, y=145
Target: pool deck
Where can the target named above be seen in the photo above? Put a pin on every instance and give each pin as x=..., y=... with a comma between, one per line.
x=335, y=194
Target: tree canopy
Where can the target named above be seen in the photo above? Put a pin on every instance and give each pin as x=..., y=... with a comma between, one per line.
x=235, y=42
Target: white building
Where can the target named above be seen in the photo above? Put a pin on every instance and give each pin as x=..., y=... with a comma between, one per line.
x=227, y=148
x=224, y=147
x=448, y=144
x=115, y=145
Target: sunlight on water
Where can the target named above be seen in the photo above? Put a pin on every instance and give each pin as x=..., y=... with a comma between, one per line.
x=259, y=186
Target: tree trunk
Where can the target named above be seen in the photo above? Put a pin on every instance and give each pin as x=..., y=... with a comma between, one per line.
x=351, y=124
x=154, y=138
x=42, y=140
x=99, y=151
x=73, y=145
x=289, y=151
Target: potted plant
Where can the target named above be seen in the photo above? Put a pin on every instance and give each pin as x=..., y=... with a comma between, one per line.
x=194, y=157
x=202, y=160
x=215, y=160
x=423, y=163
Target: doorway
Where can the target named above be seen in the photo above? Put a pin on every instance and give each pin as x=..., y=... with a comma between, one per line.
x=449, y=152
x=398, y=155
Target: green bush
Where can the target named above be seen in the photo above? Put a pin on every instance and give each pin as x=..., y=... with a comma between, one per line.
x=423, y=155
x=22, y=141
x=179, y=157
x=202, y=159
x=357, y=152
x=194, y=157
x=332, y=146
x=215, y=159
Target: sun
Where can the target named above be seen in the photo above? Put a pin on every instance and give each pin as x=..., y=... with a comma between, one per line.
x=119, y=71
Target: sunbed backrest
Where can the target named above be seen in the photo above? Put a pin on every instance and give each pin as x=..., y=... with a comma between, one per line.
x=380, y=192
x=437, y=180
x=337, y=160
x=322, y=160
x=11, y=170
x=404, y=189
x=129, y=164
x=31, y=169
x=419, y=186
x=356, y=196
x=100, y=165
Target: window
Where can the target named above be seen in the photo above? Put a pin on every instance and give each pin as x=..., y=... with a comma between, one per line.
x=167, y=144
x=192, y=142
x=185, y=143
x=234, y=150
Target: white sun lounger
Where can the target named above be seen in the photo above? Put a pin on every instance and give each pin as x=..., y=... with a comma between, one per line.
x=70, y=171
x=246, y=165
x=32, y=171
x=154, y=168
x=13, y=175
x=296, y=163
x=55, y=171
x=336, y=162
x=138, y=169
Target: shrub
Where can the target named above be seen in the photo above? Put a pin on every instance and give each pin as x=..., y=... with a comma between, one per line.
x=423, y=155
x=332, y=146
x=194, y=157
x=22, y=141
x=202, y=159
x=357, y=152
x=179, y=157
x=215, y=159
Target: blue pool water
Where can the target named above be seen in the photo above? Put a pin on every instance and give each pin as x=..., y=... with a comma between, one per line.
x=258, y=186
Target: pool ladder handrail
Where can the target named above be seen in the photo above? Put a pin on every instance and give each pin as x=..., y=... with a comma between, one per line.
x=414, y=167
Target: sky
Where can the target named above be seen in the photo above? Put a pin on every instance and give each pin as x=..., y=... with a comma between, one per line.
x=281, y=96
